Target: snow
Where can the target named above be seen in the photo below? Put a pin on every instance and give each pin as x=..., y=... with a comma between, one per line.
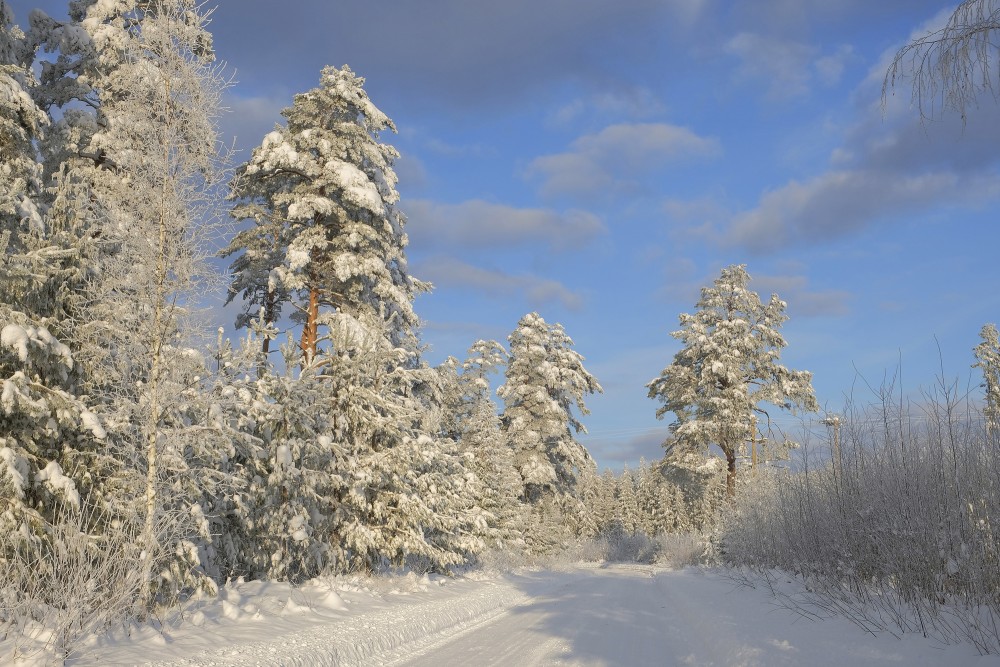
x=93, y=424
x=358, y=189
x=582, y=615
x=53, y=476
x=15, y=469
x=15, y=337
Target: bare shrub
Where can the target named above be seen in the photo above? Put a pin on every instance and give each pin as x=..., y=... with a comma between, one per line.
x=899, y=536
x=79, y=579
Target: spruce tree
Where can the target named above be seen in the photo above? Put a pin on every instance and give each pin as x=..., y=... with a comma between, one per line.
x=988, y=361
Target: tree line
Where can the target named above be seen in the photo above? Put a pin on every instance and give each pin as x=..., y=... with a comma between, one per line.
x=162, y=463
x=159, y=463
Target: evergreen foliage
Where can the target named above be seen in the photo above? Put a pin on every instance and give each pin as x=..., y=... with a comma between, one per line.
x=727, y=368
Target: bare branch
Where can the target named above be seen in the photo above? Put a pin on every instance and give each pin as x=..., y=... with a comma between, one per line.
x=950, y=67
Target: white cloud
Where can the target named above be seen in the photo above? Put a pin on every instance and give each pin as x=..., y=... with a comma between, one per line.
x=834, y=205
x=411, y=172
x=477, y=224
x=683, y=283
x=615, y=157
x=634, y=103
x=830, y=68
x=782, y=65
x=448, y=272
x=456, y=150
x=794, y=290
x=786, y=68
x=454, y=52
x=890, y=164
x=626, y=449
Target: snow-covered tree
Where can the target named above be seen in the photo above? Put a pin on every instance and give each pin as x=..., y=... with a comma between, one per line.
x=628, y=505
x=602, y=504
x=399, y=493
x=21, y=123
x=134, y=180
x=472, y=420
x=647, y=498
x=988, y=361
x=727, y=369
x=951, y=66
x=50, y=443
x=321, y=192
x=545, y=379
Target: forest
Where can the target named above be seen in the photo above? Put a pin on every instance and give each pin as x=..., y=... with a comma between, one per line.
x=145, y=459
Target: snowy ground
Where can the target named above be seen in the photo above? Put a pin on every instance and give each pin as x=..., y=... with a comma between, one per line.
x=614, y=615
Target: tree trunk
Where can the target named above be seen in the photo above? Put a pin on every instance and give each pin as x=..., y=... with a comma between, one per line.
x=156, y=370
x=310, y=330
x=731, y=474
x=265, y=346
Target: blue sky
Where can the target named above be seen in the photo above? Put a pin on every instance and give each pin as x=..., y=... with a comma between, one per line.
x=600, y=160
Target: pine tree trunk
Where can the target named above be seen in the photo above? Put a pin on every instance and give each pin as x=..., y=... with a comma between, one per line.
x=265, y=346
x=731, y=474
x=311, y=329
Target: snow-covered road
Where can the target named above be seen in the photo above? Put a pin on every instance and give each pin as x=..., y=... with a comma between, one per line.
x=641, y=616
x=616, y=615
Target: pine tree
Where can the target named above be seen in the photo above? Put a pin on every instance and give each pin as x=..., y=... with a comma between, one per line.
x=545, y=379
x=327, y=232
x=647, y=499
x=21, y=123
x=727, y=369
x=605, y=505
x=470, y=418
x=628, y=505
x=399, y=493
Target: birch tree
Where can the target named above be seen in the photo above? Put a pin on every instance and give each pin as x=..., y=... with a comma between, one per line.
x=135, y=178
x=952, y=66
x=727, y=370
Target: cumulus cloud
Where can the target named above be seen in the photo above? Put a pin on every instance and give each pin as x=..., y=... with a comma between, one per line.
x=684, y=282
x=411, y=172
x=478, y=224
x=448, y=272
x=616, y=156
x=783, y=65
x=632, y=103
x=836, y=204
x=624, y=449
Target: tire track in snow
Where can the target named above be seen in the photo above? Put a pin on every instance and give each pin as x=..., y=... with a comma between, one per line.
x=378, y=637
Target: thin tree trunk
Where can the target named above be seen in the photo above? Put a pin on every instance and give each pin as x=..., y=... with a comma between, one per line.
x=310, y=332
x=156, y=369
